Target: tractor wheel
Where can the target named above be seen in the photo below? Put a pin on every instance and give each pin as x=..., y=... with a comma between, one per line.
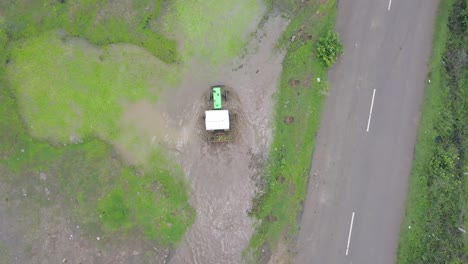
x=211, y=97
x=225, y=95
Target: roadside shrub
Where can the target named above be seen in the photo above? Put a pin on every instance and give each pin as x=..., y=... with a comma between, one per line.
x=329, y=47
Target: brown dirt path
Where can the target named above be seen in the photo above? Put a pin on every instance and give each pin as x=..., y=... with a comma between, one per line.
x=222, y=177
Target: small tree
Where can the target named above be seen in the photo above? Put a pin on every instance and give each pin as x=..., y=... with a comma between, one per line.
x=329, y=47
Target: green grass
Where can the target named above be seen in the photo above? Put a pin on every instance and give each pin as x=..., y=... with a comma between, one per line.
x=100, y=22
x=150, y=202
x=289, y=164
x=71, y=88
x=465, y=208
x=91, y=184
x=438, y=191
x=213, y=30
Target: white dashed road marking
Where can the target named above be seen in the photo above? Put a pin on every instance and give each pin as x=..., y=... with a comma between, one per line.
x=370, y=111
x=349, y=235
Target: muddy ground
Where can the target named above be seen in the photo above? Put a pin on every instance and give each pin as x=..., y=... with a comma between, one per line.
x=34, y=224
x=223, y=176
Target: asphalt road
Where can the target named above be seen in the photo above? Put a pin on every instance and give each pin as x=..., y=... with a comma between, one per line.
x=362, y=161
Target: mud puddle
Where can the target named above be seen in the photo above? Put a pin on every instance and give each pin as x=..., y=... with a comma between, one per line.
x=222, y=177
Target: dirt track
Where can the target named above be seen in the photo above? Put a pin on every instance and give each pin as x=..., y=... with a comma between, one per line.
x=223, y=177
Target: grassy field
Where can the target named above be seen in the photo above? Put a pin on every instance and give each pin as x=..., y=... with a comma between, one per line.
x=67, y=68
x=438, y=191
x=100, y=22
x=212, y=30
x=298, y=108
x=69, y=88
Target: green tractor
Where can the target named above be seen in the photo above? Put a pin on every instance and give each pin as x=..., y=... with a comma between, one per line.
x=218, y=120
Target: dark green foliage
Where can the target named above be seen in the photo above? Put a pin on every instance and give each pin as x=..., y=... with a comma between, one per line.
x=438, y=198
x=329, y=47
x=444, y=240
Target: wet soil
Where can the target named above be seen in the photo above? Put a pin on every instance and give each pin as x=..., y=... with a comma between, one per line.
x=223, y=176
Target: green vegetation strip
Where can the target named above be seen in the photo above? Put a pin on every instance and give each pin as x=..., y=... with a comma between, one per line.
x=298, y=110
x=100, y=22
x=437, y=203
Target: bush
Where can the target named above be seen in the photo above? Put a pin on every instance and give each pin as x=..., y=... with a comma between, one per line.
x=329, y=47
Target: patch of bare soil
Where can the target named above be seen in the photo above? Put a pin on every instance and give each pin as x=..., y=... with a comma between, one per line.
x=280, y=255
x=222, y=176
x=35, y=228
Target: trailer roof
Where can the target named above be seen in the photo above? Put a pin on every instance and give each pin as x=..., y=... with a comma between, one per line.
x=217, y=120
x=217, y=98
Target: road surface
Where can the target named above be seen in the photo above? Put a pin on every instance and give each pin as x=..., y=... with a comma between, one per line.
x=364, y=149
